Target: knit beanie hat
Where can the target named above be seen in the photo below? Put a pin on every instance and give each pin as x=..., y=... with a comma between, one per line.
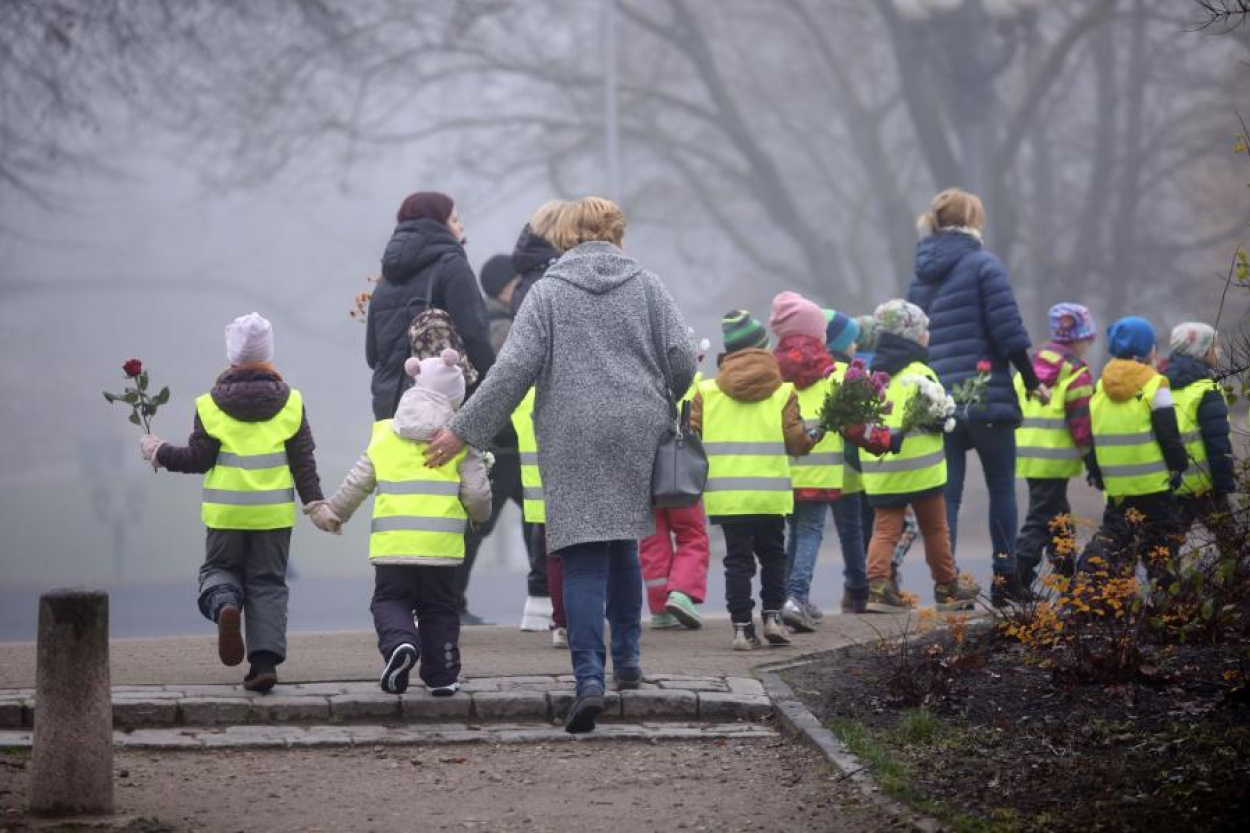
x=249, y=339
x=440, y=375
x=902, y=319
x=496, y=274
x=1131, y=338
x=795, y=315
x=868, y=329
x=1071, y=322
x=742, y=330
x=840, y=331
x=1193, y=339
x=426, y=205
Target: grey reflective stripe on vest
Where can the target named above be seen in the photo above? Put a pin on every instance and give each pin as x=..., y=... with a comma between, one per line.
x=251, y=461
x=268, y=497
x=1195, y=469
x=905, y=464
x=1048, y=453
x=417, y=523
x=820, y=458
x=753, y=449
x=748, y=484
x=1105, y=440
x=529, y=458
x=418, y=487
x=1135, y=469
x=1191, y=437
x=532, y=493
x=662, y=581
x=1044, y=422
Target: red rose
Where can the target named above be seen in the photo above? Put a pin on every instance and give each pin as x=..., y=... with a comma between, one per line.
x=984, y=366
x=132, y=368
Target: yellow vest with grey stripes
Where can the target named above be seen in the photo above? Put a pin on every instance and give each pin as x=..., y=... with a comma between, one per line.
x=533, y=506
x=1198, y=473
x=748, y=470
x=823, y=467
x=920, y=465
x=417, y=514
x=250, y=486
x=1129, y=457
x=1044, y=445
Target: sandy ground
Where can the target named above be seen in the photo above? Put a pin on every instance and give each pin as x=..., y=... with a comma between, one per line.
x=720, y=786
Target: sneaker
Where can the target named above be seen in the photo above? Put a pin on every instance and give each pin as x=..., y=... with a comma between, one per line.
x=559, y=637
x=444, y=690
x=262, y=675
x=536, y=618
x=775, y=632
x=627, y=678
x=853, y=605
x=681, y=607
x=816, y=613
x=471, y=619
x=664, y=622
x=883, y=597
x=744, y=636
x=229, y=635
x=954, y=596
x=586, y=708
x=794, y=615
x=394, y=679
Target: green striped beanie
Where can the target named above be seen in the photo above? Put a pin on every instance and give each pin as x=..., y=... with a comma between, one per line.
x=742, y=331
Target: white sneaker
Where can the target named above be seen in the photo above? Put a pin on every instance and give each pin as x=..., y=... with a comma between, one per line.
x=536, y=617
x=444, y=690
x=559, y=638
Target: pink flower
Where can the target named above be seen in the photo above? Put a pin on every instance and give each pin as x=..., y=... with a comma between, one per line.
x=132, y=368
x=984, y=366
x=855, y=374
x=858, y=363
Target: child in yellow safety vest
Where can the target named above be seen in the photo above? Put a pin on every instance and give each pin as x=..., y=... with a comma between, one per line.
x=751, y=426
x=1138, y=458
x=252, y=443
x=1202, y=418
x=1054, y=438
x=420, y=516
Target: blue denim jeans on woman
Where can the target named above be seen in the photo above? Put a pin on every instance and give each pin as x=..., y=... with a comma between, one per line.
x=995, y=444
x=807, y=532
x=602, y=578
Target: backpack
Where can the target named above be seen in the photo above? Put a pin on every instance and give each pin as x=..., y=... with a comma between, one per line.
x=431, y=331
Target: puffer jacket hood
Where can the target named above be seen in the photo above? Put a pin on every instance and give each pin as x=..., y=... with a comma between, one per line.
x=937, y=254
x=895, y=352
x=416, y=245
x=595, y=267
x=251, y=394
x=421, y=413
x=1184, y=370
x=750, y=375
x=1122, y=379
x=803, y=360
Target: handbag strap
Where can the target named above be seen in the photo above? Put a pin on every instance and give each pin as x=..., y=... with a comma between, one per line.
x=661, y=351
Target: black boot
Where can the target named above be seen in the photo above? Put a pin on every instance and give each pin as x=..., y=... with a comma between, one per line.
x=263, y=673
x=1007, y=589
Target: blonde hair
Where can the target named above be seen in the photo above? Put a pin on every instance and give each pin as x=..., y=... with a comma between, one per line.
x=953, y=208
x=587, y=219
x=545, y=218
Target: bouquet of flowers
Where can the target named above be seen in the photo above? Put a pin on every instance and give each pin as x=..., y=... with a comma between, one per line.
x=360, y=304
x=858, y=400
x=970, y=393
x=931, y=409
x=143, y=407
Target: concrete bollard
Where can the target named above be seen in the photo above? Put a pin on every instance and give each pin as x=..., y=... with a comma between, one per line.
x=72, y=758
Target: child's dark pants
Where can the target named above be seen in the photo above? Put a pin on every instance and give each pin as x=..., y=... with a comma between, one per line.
x=745, y=541
x=429, y=592
x=247, y=568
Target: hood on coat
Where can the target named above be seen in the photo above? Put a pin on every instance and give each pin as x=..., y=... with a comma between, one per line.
x=533, y=253
x=803, y=360
x=415, y=245
x=421, y=413
x=750, y=375
x=595, y=267
x=894, y=353
x=1184, y=370
x=1122, y=379
x=1047, y=371
x=937, y=254
x=251, y=394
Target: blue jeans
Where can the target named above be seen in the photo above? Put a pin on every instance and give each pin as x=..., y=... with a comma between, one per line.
x=995, y=444
x=807, y=532
x=602, y=577
x=848, y=521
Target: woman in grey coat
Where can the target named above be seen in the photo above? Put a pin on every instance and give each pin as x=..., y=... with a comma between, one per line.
x=583, y=338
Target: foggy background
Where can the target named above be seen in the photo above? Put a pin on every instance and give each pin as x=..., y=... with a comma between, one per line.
x=167, y=166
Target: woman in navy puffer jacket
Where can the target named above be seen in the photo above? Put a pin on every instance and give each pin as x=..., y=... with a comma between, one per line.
x=973, y=317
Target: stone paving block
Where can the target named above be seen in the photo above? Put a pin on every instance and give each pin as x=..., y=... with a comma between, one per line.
x=474, y=686
x=313, y=736
x=145, y=712
x=11, y=714
x=367, y=735
x=209, y=690
x=320, y=689
x=365, y=686
x=660, y=703
x=150, y=694
x=562, y=700
x=418, y=704
x=714, y=705
x=745, y=685
x=510, y=705
x=676, y=677
x=252, y=737
x=361, y=706
x=522, y=682
x=138, y=689
x=210, y=711
x=158, y=738
x=694, y=685
x=284, y=707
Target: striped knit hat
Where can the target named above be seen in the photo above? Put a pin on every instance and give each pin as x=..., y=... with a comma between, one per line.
x=742, y=331
x=840, y=331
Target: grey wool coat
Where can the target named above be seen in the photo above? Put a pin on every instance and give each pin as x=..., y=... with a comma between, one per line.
x=583, y=338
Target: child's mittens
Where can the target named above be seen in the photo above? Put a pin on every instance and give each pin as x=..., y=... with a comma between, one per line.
x=488, y=459
x=149, y=444
x=323, y=517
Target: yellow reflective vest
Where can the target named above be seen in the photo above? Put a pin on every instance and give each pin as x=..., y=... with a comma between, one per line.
x=1129, y=457
x=1198, y=474
x=694, y=387
x=1044, y=445
x=920, y=464
x=748, y=469
x=824, y=467
x=417, y=514
x=534, y=508
x=250, y=486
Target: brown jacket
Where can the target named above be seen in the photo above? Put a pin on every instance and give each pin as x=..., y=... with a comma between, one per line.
x=753, y=376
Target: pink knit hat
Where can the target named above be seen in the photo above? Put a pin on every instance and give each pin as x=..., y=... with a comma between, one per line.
x=440, y=375
x=795, y=315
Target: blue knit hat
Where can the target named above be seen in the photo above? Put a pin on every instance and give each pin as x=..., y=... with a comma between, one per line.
x=1131, y=338
x=742, y=331
x=840, y=331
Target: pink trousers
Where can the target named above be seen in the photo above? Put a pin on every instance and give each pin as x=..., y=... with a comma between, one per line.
x=676, y=556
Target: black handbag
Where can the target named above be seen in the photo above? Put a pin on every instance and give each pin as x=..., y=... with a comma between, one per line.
x=679, y=473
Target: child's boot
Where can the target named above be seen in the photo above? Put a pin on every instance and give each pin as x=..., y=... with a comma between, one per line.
x=744, y=636
x=681, y=607
x=664, y=622
x=537, y=614
x=953, y=596
x=262, y=675
x=230, y=635
x=559, y=637
x=398, y=666
x=774, y=629
x=795, y=614
x=883, y=597
x=850, y=604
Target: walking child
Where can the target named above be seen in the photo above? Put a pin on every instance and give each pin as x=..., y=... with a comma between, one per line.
x=420, y=516
x=252, y=443
x=1054, y=438
x=751, y=425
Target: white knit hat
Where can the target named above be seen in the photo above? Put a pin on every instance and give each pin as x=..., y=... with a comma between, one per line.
x=249, y=339
x=440, y=375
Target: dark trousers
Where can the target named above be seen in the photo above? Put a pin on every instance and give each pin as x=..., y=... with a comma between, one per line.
x=1155, y=539
x=402, y=591
x=247, y=568
x=1205, y=509
x=505, y=484
x=762, y=539
x=1048, y=499
x=995, y=445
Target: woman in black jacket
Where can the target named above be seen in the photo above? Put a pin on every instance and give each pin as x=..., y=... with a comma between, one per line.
x=424, y=260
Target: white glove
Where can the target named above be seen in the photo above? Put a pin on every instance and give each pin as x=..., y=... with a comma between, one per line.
x=323, y=517
x=488, y=459
x=149, y=444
